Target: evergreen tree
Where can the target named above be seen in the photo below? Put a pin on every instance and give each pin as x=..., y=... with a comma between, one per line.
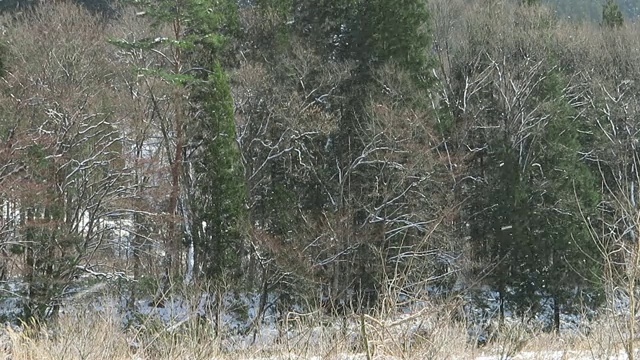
x=219, y=198
x=612, y=15
x=527, y=214
x=530, y=2
x=365, y=36
x=371, y=33
x=205, y=204
x=565, y=190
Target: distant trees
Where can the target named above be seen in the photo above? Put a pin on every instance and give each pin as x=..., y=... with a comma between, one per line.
x=592, y=11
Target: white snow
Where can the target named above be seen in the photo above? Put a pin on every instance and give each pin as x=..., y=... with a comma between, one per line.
x=555, y=355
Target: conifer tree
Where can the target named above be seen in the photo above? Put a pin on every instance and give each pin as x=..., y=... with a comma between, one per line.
x=564, y=190
x=205, y=199
x=219, y=197
x=612, y=15
x=527, y=213
x=366, y=37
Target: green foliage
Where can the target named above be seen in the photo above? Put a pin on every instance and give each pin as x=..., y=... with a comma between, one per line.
x=385, y=31
x=199, y=28
x=527, y=218
x=612, y=15
x=220, y=197
x=3, y=55
x=202, y=31
x=566, y=189
x=371, y=33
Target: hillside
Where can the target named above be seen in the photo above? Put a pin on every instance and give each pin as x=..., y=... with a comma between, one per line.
x=592, y=9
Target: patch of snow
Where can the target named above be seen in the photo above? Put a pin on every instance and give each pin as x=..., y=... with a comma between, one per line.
x=553, y=355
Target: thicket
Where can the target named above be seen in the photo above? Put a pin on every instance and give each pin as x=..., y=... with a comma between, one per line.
x=344, y=154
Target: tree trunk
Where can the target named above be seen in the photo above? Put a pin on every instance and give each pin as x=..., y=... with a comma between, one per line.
x=501, y=301
x=556, y=315
x=264, y=295
x=188, y=221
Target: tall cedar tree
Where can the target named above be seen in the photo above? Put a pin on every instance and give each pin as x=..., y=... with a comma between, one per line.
x=206, y=205
x=219, y=200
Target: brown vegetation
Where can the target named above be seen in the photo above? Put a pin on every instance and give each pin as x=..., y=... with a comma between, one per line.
x=357, y=198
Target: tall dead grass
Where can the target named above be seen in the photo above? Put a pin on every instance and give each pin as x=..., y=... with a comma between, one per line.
x=427, y=334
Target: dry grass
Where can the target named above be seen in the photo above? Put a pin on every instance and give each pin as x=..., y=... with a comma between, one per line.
x=82, y=336
x=89, y=334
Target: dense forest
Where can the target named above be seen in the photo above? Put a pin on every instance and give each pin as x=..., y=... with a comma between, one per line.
x=346, y=155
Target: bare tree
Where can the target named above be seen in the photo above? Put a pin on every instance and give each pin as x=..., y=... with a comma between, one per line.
x=67, y=151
